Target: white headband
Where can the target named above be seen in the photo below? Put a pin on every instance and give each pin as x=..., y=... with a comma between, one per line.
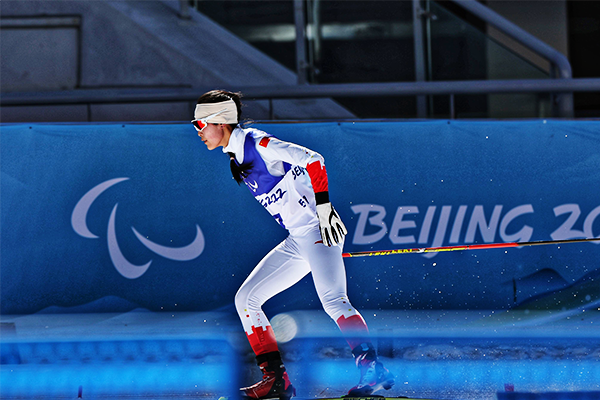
x=229, y=116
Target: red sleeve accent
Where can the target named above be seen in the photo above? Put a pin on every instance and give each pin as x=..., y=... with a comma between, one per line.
x=318, y=176
x=264, y=142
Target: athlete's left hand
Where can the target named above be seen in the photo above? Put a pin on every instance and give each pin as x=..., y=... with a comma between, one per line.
x=332, y=227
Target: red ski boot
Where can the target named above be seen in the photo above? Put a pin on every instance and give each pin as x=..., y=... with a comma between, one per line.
x=275, y=382
x=373, y=375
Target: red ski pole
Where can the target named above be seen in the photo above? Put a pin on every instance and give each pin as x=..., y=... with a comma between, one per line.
x=464, y=247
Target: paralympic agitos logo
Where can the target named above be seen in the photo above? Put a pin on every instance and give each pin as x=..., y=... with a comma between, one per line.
x=123, y=266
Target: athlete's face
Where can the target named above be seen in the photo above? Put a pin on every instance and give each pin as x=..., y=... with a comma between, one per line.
x=213, y=136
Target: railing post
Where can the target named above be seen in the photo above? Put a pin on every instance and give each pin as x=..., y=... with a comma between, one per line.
x=300, y=22
x=184, y=9
x=315, y=58
x=419, y=55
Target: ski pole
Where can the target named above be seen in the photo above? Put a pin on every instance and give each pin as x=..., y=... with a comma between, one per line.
x=464, y=247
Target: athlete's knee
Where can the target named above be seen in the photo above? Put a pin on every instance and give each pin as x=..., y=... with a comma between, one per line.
x=241, y=299
x=244, y=300
x=337, y=306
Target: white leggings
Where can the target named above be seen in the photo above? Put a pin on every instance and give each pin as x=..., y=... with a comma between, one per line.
x=286, y=265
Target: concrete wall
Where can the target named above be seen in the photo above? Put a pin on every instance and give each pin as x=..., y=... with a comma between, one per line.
x=53, y=45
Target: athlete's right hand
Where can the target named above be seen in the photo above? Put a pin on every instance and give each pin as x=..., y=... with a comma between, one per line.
x=332, y=227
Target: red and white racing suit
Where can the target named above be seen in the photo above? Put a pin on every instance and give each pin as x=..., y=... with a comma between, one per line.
x=284, y=178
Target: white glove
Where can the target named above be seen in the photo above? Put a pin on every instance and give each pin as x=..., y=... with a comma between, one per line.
x=332, y=227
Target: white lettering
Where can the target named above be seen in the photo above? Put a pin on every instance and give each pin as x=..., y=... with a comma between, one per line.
x=424, y=235
x=488, y=232
x=372, y=215
x=589, y=222
x=566, y=231
x=399, y=224
x=376, y=220
x=458, y=221
x=525, y=233
x=440, y=232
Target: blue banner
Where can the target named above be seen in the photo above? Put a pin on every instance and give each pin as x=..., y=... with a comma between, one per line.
x=113, y=217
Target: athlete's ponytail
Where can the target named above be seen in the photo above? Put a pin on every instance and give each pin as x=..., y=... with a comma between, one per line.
x=239, y=171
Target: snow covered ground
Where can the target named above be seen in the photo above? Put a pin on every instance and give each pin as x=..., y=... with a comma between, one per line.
x=435, y=354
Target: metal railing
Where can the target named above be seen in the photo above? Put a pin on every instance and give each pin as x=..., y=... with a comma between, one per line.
x=561, y=85
x=450, y=88
x=559, y=64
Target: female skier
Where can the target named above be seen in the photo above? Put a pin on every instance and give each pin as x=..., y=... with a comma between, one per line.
x=290, y=181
